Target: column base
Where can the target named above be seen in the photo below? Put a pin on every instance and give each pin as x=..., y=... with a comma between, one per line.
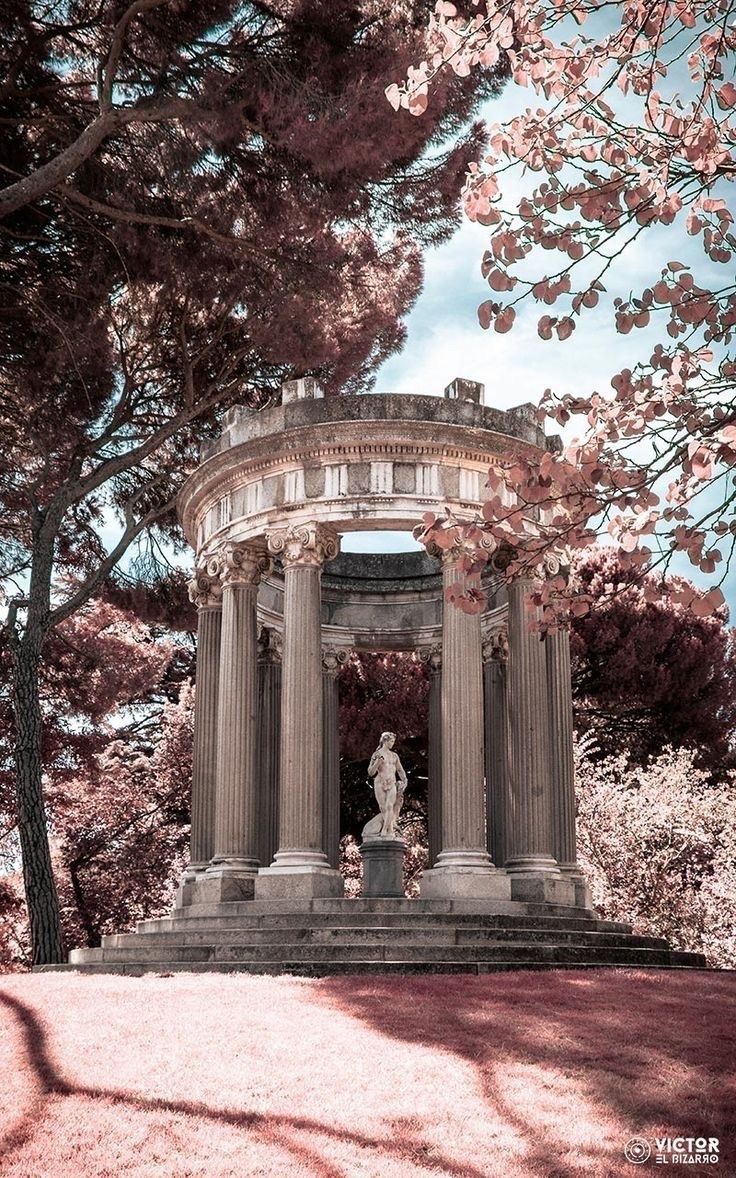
x=304, y=875
x=383, y=867
x=464, y=875
x=190, y=876
x=193, y=871
x=215, y=889
x=539, y=864
x=542, y=887
x=224, y=880
x=571, y=872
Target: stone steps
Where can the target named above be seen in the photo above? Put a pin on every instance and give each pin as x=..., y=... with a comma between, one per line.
x=384, y=906
x=384, y=920
x=338, y=936
x=324, y=969
x=294, y=953
x=325, y=937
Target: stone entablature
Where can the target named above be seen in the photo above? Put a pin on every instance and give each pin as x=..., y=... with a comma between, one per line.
x=355, y=463
x=380, y=602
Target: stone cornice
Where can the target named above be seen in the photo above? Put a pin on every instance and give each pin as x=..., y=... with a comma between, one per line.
x=445, y=444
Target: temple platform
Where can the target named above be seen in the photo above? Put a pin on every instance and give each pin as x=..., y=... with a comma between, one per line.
x=322, y=937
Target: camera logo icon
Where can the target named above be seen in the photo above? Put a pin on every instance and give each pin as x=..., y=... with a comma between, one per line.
x=637, y=1150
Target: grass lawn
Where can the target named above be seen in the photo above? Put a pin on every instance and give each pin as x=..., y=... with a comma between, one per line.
x=525, y=1073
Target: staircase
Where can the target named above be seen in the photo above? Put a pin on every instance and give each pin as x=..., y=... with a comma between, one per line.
x=317, y=938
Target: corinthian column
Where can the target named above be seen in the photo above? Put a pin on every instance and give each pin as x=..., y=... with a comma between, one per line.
x=562, y=763
x=495, y=666
x=269, y=739
x=205, y=592
x=433, y=659
x=332, y=661
x=463, y=867
x=530, y=835
x=300, y=866
x=235, y=859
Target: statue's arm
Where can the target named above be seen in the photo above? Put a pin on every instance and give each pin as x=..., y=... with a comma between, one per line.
x=374, y=763
x=400, y=772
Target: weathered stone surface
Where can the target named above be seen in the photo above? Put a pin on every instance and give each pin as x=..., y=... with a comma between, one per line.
x=464, y=850
x=405, y=478
x=221, y=887
x=235, y=843
x=204, y=752
x=473, y=883
x=530, y=834
x=314, y=481
x=383, y=866
x=285, y=881
x=359, y=478
x=332, y=937
x=542, y=888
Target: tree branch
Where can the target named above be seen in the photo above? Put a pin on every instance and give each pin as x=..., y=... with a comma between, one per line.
x=83, y=594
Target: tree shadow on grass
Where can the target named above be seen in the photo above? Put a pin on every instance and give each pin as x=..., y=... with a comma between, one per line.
x=35, y=1057
x=653, y=1050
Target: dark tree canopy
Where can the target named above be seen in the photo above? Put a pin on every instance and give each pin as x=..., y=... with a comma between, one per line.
x=202, y=199
x=647, y=674
x=381, y=693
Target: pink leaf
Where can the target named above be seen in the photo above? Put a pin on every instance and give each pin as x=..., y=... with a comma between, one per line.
x=505, y=320
x=393, y=95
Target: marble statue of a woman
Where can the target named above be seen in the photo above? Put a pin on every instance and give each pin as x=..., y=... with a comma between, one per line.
x=389, y=783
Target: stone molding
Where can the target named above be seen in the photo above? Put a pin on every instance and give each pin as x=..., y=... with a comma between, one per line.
x=334, y=659
x=305, y=545
x=242, y=564
x=355, y=432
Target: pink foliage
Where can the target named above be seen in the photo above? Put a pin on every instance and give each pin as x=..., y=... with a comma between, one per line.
x=658, y=846
x=596, y=178
x=650, y=673
x=375, y=689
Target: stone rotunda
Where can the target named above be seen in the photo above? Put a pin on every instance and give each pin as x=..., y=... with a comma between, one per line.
x=280, y=609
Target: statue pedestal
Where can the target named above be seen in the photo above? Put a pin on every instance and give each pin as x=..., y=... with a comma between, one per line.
x=383, y=864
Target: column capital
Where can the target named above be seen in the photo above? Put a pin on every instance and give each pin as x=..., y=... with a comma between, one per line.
x=270, y=645
x=496, y=646
x=205, y=590
x=432, y=656
x=334, y=659
x=242, y=564
x=307, y=545
x=448, y=557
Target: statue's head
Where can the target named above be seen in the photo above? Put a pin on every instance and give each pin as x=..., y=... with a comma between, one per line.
x=388, y=739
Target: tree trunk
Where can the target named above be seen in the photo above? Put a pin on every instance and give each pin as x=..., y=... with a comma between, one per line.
x=91, y=932
x=38, y=877
x=42, y=900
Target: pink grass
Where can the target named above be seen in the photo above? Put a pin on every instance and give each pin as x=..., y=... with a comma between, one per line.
x=512, y=1074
